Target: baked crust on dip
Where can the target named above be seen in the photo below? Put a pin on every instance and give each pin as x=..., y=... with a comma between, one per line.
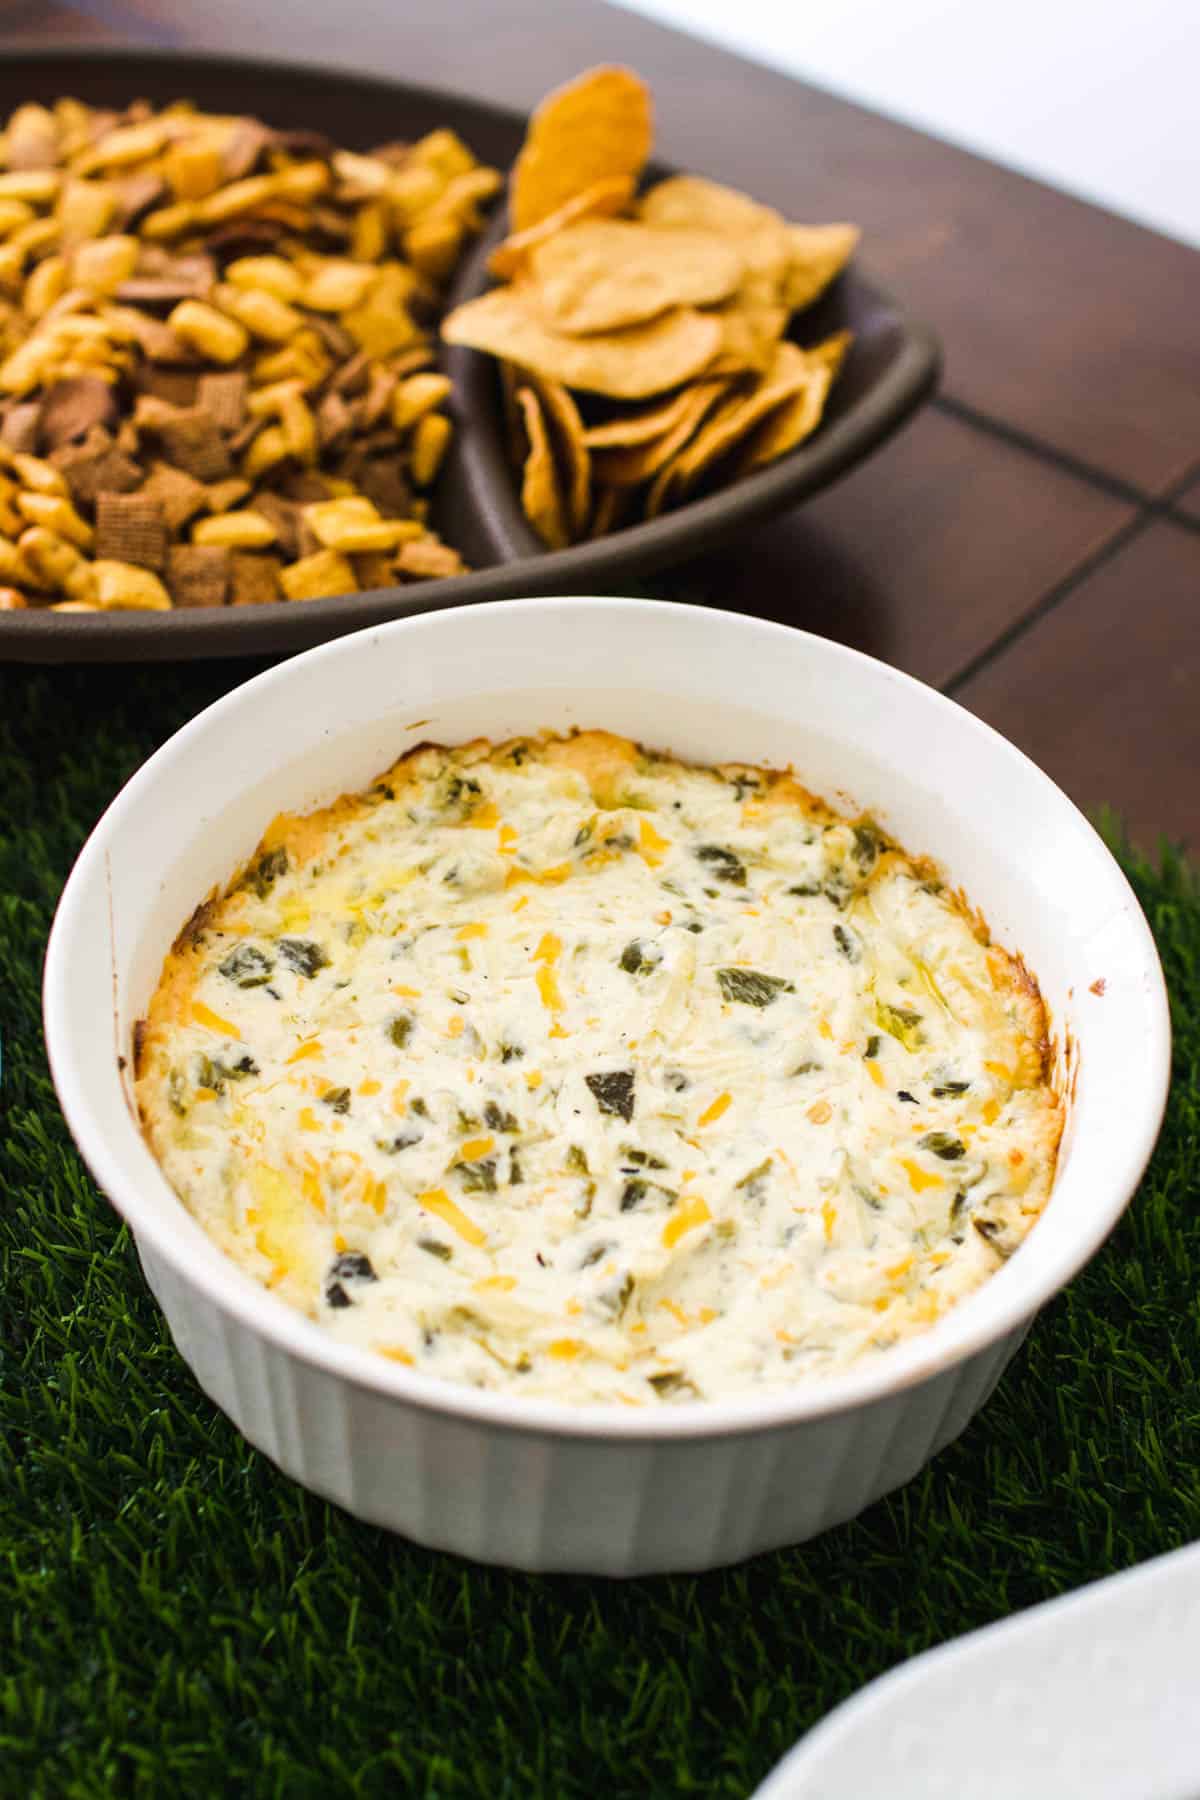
x=565, y=1067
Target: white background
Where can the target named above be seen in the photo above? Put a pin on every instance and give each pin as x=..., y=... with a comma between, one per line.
x=1101, y=97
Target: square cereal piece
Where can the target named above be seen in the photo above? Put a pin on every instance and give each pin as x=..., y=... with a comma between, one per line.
x=198, y=574
x=253, y=578
x=179, y=494
x=193, y=443
x=19, y=430
x=96, y=467
x=223, y=397
x=131, y=528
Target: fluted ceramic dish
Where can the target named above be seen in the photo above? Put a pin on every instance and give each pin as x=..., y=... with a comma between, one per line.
x=539, y=1484
x=891, y=367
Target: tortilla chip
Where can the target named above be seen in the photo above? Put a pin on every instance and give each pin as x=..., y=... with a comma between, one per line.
x=689, y=202
x=570, y=448
x=596, y=127
x=510, y=379
x=625, y=365
x=798, y=417
x=819, y=252
x=789, y=373
x=696, y=202
x=630, y=465
x=604, y=274
x=541, y=497
x=750, y=334
x=601, y=200
x=831, y=352
x=612, y=507
x=637, y=427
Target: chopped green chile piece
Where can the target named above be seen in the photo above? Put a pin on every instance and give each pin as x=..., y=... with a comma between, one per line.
x=754, y=1184
x=847, y=942
x=633, y=1193
x=337, y=1099
x=750, y=988
x=459, y=786
x=900, y=1022
x=639, y=957
x=404, y=1141
x=247, y=966
x=498, y=1119
x=212, y=1073
x=302, y=955
x=672, y=1381
x=613, y=1092
x=948, y=1089
x=942, y=1144
x=869, y=843
x=350, y=1266
x=400, y=1029
x=724, y=864
x=577, y=1160
x=262, y=875
x=616, y=1297
x=431, y=1247
x=642, y=1159
x=996, y=1235
x=478, y=1177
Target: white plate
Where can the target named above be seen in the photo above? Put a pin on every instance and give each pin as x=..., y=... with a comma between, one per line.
x=1096, y=1695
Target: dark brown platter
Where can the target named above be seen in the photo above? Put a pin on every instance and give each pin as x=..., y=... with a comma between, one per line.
x=891, y=369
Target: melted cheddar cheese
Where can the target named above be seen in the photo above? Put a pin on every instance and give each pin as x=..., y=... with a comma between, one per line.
x=569, y=1068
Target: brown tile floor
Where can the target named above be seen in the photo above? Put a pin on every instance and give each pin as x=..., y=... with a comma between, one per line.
x=1188, y=502
x=1014, y=544
x=940, y=544
x=1113, y=668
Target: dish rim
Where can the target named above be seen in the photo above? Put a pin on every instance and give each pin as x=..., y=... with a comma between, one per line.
x=968, y=1327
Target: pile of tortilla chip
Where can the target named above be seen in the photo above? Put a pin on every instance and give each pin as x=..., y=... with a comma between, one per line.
x=641, y=336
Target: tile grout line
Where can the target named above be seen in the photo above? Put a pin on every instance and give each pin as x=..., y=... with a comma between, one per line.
x=1180, y=487
x=1164, y=505
x=1175, y=493
x=1018, y=439
x=1052, y=598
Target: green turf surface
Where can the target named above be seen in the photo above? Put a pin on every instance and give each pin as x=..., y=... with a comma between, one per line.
x=180, y=1619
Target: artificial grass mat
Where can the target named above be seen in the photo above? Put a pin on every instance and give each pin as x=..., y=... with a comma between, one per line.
x=182, y=1619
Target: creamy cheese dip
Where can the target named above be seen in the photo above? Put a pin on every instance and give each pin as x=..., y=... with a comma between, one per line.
x=564, y=1067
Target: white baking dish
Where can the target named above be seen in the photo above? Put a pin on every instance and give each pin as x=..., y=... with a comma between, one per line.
x=538, y=1484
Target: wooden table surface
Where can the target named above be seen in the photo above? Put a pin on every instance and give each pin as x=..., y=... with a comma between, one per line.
x=1031, y=544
